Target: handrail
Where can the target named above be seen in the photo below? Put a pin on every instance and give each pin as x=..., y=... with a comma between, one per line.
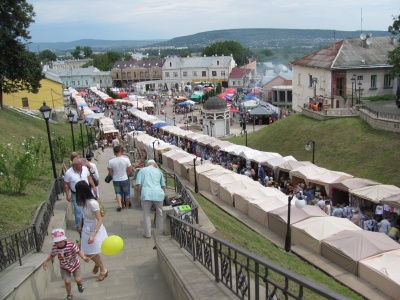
x=241, y=271
x=15, y=246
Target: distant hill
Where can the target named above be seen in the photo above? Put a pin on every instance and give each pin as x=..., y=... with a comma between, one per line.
x=255, y=38
x=267, y=37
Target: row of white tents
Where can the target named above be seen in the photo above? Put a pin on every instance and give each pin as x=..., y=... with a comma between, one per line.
x=370, y=255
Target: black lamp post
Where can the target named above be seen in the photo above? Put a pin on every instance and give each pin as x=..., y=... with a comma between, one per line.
x=174, y=120
x=87, y=134
x=196, y=187
x=101, y=132
x=245, y=132
x=308, y=148
x=211, y=125
x=154, y=149
x=71, y=120
x=359, y=92
x=80, y=121
x=300, y=203
x=46, y=111
x=165, y=116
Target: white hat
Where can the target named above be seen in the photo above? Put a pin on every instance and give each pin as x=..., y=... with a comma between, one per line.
x=58, y=235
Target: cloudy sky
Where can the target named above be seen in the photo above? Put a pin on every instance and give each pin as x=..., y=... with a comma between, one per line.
x=64, y=21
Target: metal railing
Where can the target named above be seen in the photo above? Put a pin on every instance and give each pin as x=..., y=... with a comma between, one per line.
x=245, y=274
x=15, y=246
x=380, y=114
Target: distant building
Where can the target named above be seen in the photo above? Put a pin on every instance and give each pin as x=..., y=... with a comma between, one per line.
x=240, y=78
x=342, y=73
x=125, y=73
x=51, y=91
x=82, y=78
x=206, y=69
x=69, y=63
x=277, y=85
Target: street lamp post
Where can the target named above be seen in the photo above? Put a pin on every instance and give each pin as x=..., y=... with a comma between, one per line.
x=101, y=132
x=165, y=116
x=154, y=149
x=71, y=120
x=208, y=132
x=308, y=148
x=359, y=92
x=300, y=203
x=245, y=132
x=174, y=120
x=46, y=111
x=196, y=187
x=87, y=133
x=211, y=125
x=80, y=121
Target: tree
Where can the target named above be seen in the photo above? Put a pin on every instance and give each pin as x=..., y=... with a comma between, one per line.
x=239, y=53
x=394, y=56
x=47, y=56
x=76, y=53
x=19, y=68
x=87, y=51
x=127, y=56
x=105, y=61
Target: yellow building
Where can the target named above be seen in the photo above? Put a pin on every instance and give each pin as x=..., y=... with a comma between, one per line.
x=51, y=92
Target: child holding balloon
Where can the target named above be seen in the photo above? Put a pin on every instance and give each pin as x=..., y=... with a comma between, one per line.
x=92, y=230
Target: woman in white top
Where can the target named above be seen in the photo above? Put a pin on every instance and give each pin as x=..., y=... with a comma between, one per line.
x=92, y=231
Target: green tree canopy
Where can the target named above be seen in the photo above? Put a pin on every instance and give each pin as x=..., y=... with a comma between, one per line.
x=47, y=56
x=127, y=56
x=76, y=53
x=19, y=68
x=239, y=53
x=87, y=51
x=394, y=56
x=105, y=61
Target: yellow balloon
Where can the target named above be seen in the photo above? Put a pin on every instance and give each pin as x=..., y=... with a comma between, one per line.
x=112, y=245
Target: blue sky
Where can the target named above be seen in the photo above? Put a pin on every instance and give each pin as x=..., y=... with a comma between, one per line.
x=64, y=21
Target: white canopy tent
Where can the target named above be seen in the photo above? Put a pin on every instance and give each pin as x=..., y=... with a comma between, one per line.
x=375, y=193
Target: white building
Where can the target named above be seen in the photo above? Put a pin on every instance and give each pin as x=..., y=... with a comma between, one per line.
x=344, y=72
x=215, y=117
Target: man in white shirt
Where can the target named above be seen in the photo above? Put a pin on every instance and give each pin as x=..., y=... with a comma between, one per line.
x=76, y=173
x=120, y=168
x=115, y=142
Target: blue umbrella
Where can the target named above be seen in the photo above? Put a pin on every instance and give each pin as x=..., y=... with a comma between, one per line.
x=159, y=125
x=186, y=103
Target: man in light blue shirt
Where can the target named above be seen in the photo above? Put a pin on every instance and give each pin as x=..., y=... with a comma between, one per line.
x=150, y=184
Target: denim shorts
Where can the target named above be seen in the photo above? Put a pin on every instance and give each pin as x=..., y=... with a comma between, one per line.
x=122, y=188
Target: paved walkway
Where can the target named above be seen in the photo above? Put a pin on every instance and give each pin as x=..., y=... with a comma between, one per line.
x=134, y=272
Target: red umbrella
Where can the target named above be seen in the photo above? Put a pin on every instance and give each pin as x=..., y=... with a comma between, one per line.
x=82, y=93
x=230, y=91
x=233, y=110
x=208, y=88
x=109, y=99
x=122, y=94
x=256, y=91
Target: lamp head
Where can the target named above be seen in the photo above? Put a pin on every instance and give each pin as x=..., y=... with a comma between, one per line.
x=308, y=146
x=70, y=116
x=300, y=203
x=45, y=111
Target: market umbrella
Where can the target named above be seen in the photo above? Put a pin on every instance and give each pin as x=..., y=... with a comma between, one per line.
x=159, y=125
x=256, y=91
x=233, y=110
x=109, y=99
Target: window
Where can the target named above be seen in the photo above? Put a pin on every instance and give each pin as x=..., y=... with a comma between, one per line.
x=299, y=79
x=94, y=79
x=360, y=77
x=79, y=83
x=170, y=64
x=184, y=73
x=310, y=81
x=166, y=74
x=87, y=82
x=204, y=73
x=25, y=102
x=214, y=73
x=387, y=82
x=175, y=74
x=234, y=83
x=373, y=81
x=223, y=73
x=129, y=74
x=101, y=81
x=217, y=62
x=194, y=73
x=239, y=83
x=66, y=83
x=73, y=82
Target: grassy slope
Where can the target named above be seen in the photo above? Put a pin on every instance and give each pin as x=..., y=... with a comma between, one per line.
x=16, y=211
x=349, y=145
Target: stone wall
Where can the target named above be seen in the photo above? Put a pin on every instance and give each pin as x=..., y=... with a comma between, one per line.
x=380, y=123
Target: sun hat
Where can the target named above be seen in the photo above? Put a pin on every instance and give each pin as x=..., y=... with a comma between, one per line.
x=58, y=235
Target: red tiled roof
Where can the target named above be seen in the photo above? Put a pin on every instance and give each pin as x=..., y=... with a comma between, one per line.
x=239, y=72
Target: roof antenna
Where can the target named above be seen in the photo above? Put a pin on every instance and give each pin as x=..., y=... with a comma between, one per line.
x=361, y=20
